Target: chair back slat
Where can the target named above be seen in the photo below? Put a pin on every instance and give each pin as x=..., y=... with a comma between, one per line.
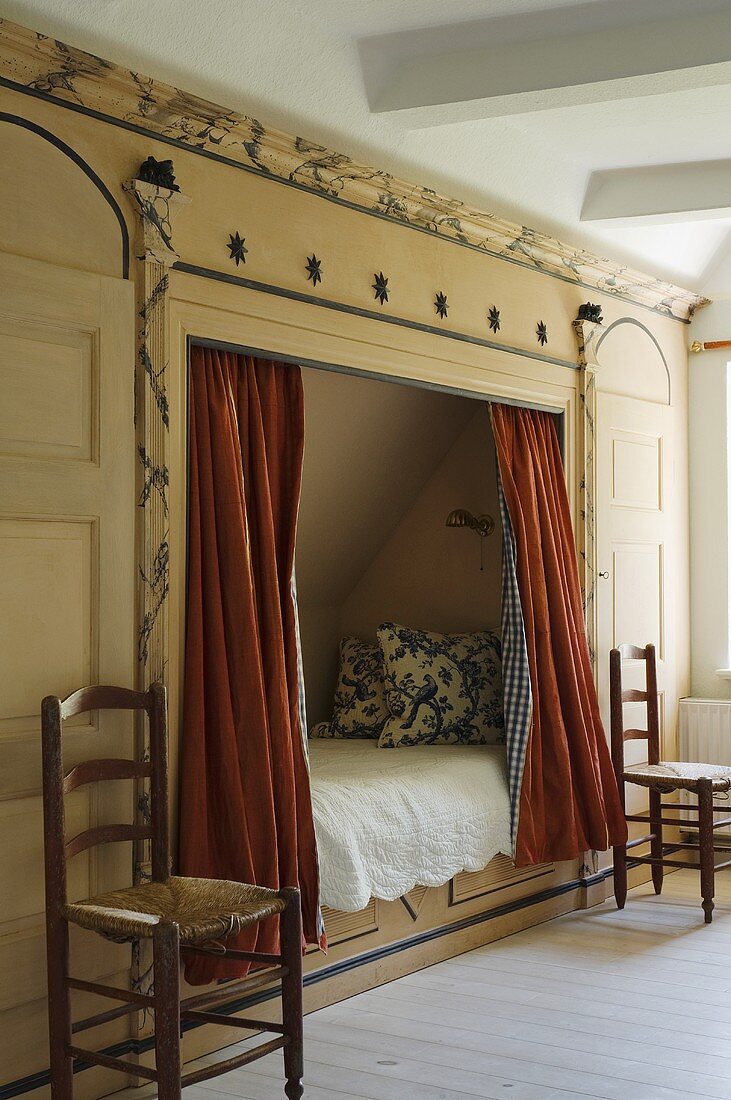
x=92, y=771
x=632, y=652
x=618, y=697
x=102, y=834
x=101, y=697
x=55, y=785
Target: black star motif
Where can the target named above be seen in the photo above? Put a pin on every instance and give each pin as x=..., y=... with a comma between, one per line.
x=542, y=333
x=314, y=269
x=440, y=304
x=380, y=286
x=493, y=318
x=237, y=248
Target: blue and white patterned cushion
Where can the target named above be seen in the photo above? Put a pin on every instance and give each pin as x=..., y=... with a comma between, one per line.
x=441, y=689
x=359, y=708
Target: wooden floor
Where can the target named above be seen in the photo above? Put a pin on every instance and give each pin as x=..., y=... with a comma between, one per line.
x=628, y=1006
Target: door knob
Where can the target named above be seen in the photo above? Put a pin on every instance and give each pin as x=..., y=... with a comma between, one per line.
x=604, y=575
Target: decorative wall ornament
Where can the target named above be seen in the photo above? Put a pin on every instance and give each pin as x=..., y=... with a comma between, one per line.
x=156, y=208
x=380, y=286
x=542, y=333
x=440, y=304
x=158, y=172
x=314, y=269
x=587, y=337
x=589, y=311
x=47, y=67
x=493, y=318
x=237, y=248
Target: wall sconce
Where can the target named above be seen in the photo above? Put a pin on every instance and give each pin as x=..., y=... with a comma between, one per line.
x=483, y=526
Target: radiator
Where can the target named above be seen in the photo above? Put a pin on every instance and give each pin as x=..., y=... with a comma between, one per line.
x=704, y=736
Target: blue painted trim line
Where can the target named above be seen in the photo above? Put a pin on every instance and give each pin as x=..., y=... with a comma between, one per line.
x=17, y=120
x=369, y=314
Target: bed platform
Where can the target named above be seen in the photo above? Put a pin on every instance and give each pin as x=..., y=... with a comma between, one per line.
x=389, y=820
x=411, y=845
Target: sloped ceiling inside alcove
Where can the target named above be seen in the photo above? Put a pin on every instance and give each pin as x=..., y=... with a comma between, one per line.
x=370, y=447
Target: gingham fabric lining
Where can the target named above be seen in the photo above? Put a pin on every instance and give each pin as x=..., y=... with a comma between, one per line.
x=303, y=723
x=300, y=671
x=517, y=695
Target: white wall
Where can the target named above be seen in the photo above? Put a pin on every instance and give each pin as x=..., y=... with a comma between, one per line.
x=709, y=503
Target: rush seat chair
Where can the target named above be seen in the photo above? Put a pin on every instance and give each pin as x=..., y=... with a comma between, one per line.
x=662, y=777
x=172, y=912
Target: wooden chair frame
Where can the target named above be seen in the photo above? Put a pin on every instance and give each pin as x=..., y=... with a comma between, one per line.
x=704, y=810
x=165, y=1001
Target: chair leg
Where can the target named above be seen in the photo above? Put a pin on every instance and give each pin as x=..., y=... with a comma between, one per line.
x=291, y=940
x=620, y=875
x=59, y=1009
x=656, y=842
x=705, y=845
x=166, y=963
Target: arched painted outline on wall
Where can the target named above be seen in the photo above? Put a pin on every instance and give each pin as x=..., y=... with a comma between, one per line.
x=46, y=135
x=645, y=329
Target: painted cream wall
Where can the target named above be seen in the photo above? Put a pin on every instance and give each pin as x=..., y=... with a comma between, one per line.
x=419, y=572
x=427, y=575
x=369, y=447
x=45, y=214
x=382, y=463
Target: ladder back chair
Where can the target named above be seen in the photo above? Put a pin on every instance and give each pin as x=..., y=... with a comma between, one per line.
x=198, y=914
x=662, y=777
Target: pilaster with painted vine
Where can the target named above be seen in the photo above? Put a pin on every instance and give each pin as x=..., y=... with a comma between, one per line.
x=587, y=336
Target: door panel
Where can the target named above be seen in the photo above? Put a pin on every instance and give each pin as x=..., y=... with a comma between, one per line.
x=67, y=592
x=634, y=552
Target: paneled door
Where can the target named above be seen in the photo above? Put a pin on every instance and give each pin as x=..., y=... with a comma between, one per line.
x=635, y=501
x=67, y=602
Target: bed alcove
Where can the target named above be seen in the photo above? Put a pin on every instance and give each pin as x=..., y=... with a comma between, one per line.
x=385, y=461
x=384, y=465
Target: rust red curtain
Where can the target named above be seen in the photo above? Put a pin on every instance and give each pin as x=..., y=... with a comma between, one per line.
x=245, y=810
x=569, y=801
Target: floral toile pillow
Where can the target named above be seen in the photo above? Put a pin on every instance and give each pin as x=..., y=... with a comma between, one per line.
x=359, y=708
x=441, y=689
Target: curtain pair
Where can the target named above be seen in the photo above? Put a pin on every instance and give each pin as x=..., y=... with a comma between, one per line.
x=245, y=810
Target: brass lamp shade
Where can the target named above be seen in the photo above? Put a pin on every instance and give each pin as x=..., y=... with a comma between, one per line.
x=482, y=525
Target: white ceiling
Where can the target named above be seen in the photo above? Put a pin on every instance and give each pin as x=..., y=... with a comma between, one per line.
x=295, y=64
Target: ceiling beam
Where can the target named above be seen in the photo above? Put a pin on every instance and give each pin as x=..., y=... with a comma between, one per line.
x=587, y=53
x=659, y=193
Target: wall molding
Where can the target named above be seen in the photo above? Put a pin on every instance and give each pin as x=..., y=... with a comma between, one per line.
x=588, y=336
x=638, y=324
x=370, y=314
x=67, y=151
x=38, y=65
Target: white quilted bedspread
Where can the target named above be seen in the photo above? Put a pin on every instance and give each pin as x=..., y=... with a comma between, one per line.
x=390, y=819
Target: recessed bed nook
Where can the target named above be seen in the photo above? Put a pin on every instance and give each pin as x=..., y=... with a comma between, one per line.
x=401, y=666
x=372, y=565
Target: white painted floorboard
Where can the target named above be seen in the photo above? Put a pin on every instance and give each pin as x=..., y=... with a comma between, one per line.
x=624, y=1006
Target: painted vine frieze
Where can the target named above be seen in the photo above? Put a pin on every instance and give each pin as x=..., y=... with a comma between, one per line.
x=587, y=335
x=51, y=68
